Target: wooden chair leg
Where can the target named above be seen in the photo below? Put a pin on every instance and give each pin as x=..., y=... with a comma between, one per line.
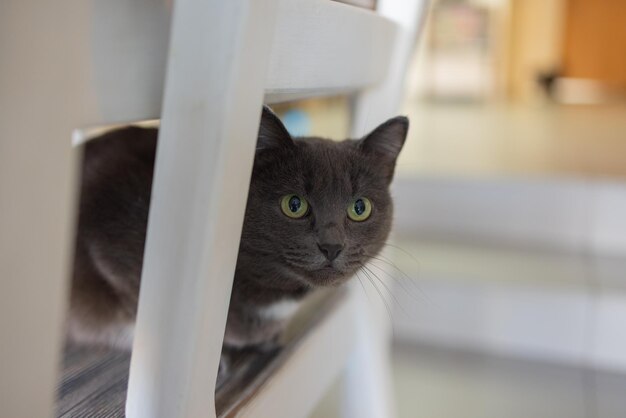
x=41, y=102
x=368, y=390
x=219, y=53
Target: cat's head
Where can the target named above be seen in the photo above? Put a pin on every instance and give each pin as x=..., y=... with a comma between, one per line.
x=320, y=209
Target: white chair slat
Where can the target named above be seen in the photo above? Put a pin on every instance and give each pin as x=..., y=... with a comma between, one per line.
x=319, y=47
x=204, y=160
x=309, y=369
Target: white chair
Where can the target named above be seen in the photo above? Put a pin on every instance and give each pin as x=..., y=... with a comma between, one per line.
x=82, y=63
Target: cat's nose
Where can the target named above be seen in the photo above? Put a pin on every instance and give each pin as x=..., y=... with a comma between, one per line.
x=331, y=251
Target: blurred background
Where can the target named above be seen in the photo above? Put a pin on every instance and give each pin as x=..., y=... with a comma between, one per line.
x=507, y=273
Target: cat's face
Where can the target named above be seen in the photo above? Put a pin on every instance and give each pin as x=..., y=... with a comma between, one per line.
x=318, y=209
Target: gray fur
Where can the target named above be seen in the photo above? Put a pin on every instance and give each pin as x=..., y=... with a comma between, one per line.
x=280, y=258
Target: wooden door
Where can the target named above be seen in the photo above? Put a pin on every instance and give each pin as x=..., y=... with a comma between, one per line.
x=595, y=41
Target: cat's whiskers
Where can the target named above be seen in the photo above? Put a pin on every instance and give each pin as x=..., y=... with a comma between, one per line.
x=362, y=286
x=385, y=260
x=397, y=280
x=389, y=290
x=402, y=250
x=382, y=297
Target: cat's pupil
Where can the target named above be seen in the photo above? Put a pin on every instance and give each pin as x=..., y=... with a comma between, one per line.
x=294, y=204
x=359, y=207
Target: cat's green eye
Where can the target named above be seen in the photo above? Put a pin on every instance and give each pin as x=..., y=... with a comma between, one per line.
x=360, y=209
x=294, y=206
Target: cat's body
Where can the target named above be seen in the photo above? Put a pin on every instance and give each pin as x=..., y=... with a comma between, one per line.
x=285, y=252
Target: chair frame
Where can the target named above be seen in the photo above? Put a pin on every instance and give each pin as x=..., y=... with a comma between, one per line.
x=225, y=59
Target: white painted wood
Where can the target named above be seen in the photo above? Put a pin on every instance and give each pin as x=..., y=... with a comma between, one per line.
x=565, y=214
x=383, y=102
x=368, y=383
x=607, y=345
x=523, y=316
x=546, y=213
x=368, y=4
x=129, y=49
x=325, y=46
x=301, y=382
x=218, y=58
x=43, y=81
x=550, y=306
x=608, y=218
x=313, y=53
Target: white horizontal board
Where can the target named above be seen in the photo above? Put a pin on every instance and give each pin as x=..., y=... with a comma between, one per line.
x=294, y=390
x=319, y=47
x=552, y=306
x=567, y=214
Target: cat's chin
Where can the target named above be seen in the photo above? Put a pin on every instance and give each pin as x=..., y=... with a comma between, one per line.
x=327, y=276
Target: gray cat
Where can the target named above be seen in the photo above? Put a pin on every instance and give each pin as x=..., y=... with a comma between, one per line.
x=317, y=211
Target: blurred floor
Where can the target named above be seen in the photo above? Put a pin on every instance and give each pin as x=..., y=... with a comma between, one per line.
x=501, y=139
x=433, y=382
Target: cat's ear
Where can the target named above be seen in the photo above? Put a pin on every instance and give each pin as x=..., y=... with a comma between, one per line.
x=272, y=132
x=386, y=141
